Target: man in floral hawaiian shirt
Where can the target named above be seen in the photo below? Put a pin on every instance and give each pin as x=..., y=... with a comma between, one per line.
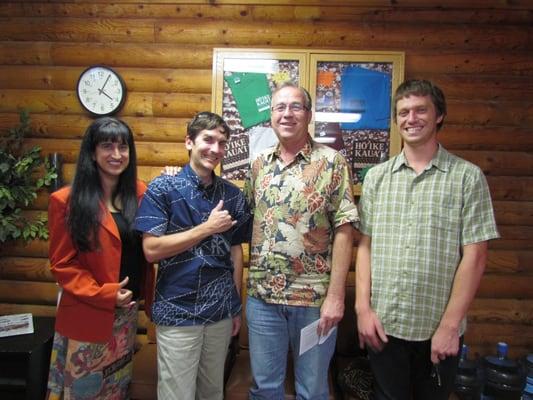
x=301, y=195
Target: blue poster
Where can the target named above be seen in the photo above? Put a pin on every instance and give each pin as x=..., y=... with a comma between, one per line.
x=366, y=92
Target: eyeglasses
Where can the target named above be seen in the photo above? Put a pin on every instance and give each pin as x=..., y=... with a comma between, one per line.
x=294, y=107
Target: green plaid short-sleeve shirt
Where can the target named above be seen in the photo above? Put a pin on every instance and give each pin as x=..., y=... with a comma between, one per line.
x=418, y=225
x=296, y=208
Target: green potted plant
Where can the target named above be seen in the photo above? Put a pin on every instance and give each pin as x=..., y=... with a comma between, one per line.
x=23, y=172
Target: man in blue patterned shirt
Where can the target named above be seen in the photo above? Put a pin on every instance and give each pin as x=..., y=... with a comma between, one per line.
x=194, y=224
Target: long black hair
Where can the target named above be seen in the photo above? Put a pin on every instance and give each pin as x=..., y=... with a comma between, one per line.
x=85, y=203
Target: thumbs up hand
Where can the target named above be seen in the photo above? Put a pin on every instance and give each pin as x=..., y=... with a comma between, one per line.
x=124, y=296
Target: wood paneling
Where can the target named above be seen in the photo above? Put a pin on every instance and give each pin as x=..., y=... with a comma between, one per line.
x=139, y=104
x=286, y=11
x=26, y=292
x=479, y=52
x=136, y=79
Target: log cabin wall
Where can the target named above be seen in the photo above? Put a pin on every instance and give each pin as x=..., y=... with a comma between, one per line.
x=479, y=52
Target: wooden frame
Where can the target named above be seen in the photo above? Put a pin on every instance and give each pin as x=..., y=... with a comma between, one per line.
x=364, y=133
x=323, y=73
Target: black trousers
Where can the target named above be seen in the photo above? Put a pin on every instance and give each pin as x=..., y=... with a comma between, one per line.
x=403, y=371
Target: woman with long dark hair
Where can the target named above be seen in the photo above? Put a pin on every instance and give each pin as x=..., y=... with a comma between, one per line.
x=96, y=256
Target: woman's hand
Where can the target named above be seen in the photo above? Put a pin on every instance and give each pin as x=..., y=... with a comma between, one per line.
x=124, y=295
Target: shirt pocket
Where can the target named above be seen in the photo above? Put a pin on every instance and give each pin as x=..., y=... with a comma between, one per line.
x=443, y=215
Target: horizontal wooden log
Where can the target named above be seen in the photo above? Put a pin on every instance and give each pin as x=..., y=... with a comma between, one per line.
x=511, y=244
x=364, y=12
x=514, y=334
x=54, y=126
x=78, y=29
x=26, y=292
x=509, y=261
x=17, y=248
x=148, y=153
x=511, y=188
x=36, y=310
x=462, y=137
x=144, y=173
x=483, y=337
x=513, y=212
x=138, y=104
x=252, y=33
x=472, y=4
x=322, y=34
x=482, y=86
x=508, y=286
x=136, y=79
x=118, y=55
x=502, y=61
x=25, y=53
x=114, y=54
x=25, y=269
x=500, y=163
x=504, y=311
x=520, y=232
x=487, y=113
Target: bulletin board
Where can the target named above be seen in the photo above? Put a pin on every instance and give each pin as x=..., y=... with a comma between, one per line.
x=351, y=93
x=243, y=80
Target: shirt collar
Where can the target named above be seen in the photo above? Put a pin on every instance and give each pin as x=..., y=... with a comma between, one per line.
x=305, y=152
x=195, y=179
x=441, y=160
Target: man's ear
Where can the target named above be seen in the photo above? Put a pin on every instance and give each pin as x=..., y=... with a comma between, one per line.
x=188, y=143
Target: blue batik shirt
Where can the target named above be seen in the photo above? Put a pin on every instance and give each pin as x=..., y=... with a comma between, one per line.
x=194, y=287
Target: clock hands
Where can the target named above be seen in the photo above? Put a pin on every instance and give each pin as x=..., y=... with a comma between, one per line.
x=105, y=94
x=101, y=90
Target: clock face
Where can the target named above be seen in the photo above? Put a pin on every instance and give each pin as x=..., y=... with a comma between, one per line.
x=101, y=91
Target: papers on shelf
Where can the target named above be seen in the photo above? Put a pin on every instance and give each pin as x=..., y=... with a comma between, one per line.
x=16, y=324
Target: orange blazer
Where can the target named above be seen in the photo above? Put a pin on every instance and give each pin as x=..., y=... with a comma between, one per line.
x=89, y=280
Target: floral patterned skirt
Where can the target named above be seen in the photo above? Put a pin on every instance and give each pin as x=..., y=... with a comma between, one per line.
x=94, y=371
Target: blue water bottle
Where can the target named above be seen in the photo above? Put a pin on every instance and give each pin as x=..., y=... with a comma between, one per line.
x=467, y=382
x=528, y=390
x=503, y=377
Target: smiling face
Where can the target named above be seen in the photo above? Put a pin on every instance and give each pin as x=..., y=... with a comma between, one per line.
x=111, y=158
x=417, y=119
x=206, y=151
x=290, y=118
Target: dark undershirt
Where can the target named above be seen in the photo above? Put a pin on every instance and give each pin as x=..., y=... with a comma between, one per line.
x=132, y=256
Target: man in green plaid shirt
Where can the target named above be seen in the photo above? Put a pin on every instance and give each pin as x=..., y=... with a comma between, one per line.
x=426, y=216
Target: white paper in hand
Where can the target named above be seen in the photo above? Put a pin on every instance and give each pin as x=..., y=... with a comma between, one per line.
x=309, y=337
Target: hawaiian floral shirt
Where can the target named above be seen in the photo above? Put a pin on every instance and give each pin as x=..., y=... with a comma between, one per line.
x=296, y=209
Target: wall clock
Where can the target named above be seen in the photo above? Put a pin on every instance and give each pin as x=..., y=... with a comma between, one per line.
x=101, y=90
